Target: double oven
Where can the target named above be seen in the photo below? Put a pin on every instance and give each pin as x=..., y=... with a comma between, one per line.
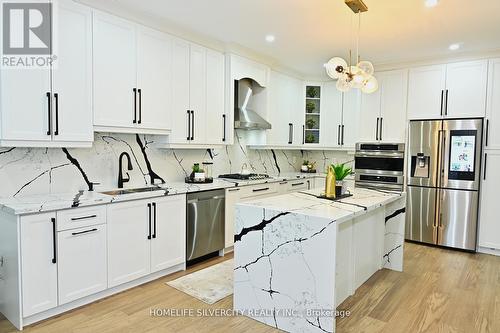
x=380, y=166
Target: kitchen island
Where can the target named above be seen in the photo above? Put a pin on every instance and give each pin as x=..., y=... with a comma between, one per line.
x=297, y=257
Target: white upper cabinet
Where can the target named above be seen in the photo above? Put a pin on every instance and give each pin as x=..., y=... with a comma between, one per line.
x=466, y=89
x=350, y=118
x=492, y=132
x=199, y=117
x=426, y=88
x=383, y=113
x=114, y=72
x=53, y=107
x=331, y=115
x=132, y=77
x=453, y=90
x=217, y=122
x=242, y=68
x=284, y=110
x=154, y=78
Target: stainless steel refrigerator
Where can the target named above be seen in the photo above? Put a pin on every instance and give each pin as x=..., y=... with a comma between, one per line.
x=444, y=167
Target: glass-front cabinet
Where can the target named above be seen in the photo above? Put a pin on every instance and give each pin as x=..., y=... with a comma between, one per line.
x=312, y=123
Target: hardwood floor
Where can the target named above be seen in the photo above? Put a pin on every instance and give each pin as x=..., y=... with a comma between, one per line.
x=439, y=291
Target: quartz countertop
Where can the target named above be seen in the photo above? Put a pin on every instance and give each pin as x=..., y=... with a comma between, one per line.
x=307, y=203
x=58, y=201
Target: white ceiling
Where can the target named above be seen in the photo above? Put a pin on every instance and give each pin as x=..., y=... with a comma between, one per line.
x=309, y=32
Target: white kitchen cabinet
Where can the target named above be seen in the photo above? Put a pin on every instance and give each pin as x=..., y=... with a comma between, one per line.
x=129, y=249
x=383, y=113
x=38, y=263
x=198, y=115
x=82, y=261
x=217, y=122
x=285, y=111
x=492, y=129
x=53, y=107
x=154, y=78
x=350, y=118
x=115, y=70
x=233, y=196
x=455, y=90
x=168, y=243
x=466, y=88
x=426, y=86
x=331, y=117
x=132, y=77
x=489, y=224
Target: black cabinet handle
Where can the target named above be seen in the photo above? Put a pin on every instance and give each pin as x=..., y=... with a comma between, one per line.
x=261, y=189
x=303, y=134
x=56, y=98
x=234, y=190
x=442, y=100
x=149, y=224
x=376, y=135
x=224, y=128
x=83, y=232
x=154, y=217
x=290, y=130
x=54, y=257
x=189, y=125
x=83, y=218
x=343, y=134
x=49, y=111
x=487, y=131
x=485, y=163
x=446, y=104
x=381, y=128
x=135, y=106
x=140, y=106
x=338, y=136
x=297, y=184
x=192, y=125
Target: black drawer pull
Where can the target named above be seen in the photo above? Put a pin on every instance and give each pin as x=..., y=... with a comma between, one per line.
x=261, y=189
x=83, y=218
x=298, y=184
x=83, y=232
x=233, y=189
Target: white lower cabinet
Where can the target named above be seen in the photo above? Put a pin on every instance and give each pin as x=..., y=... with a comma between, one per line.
x=144, y=236
x=489, y=224
x=233, y=196
x=82, y=267
x=38, y=263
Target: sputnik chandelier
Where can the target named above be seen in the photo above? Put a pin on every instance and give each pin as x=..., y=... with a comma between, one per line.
x=359, y=76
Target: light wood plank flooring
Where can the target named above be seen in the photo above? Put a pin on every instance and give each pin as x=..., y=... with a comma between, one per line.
x=439, y=291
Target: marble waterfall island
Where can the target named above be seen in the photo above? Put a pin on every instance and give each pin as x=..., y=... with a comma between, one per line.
x=297, y=257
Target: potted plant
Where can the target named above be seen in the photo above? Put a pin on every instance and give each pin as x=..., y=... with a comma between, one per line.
x=305, y=166
x=341, y=172
x=310, y=122
x=198, y=173
x=310, y=138
x=310, y=107
x=311, y=92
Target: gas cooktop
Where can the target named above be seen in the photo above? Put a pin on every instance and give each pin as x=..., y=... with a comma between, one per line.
x=239, y=176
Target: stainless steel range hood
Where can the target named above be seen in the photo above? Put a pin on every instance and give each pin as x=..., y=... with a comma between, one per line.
x=244, y=117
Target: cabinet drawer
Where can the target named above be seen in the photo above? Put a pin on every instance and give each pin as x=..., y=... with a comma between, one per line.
x=80, y=217
x=297, y=185
x=250, y=192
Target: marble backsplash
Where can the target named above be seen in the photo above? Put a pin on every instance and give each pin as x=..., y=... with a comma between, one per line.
x=28, y=171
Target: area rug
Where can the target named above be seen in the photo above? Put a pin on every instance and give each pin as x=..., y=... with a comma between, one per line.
x=209, y=285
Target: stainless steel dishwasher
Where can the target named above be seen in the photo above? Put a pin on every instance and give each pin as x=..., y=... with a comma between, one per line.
x=205, y=223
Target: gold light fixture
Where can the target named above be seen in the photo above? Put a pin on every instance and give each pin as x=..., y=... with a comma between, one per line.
x=350, y=76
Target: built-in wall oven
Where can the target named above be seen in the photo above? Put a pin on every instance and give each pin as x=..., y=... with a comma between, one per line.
x=380, y=166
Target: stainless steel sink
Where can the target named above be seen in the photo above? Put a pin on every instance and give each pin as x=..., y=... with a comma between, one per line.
x=132, y=191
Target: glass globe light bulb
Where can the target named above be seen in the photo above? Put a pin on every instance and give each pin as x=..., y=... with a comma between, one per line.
x=344, y=84
x=370, y=85
x=358, y=80
x=366, y=67
x=335, y=67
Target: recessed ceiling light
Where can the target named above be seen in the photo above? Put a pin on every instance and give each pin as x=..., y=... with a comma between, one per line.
x=431, y=3
x=454, y=47
x=270, y=38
